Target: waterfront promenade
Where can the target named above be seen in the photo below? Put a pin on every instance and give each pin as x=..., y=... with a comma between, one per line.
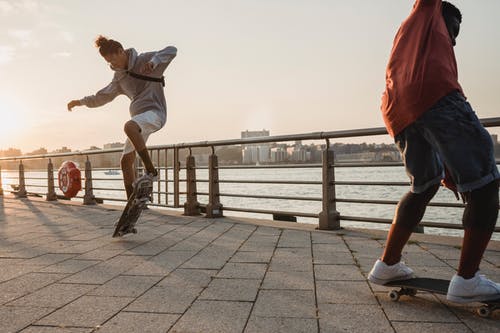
x=60, y=271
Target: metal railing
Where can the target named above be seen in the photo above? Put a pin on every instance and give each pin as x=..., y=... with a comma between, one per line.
x=177, y=183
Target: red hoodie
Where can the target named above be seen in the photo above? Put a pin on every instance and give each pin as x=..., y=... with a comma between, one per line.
x=422, y=67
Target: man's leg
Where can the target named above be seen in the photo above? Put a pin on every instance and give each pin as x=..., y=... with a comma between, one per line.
x=479, y=219
x=133, y=132
x=409, y=213
x=128, y=170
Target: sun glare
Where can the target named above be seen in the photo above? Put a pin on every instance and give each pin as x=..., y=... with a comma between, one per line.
x=10, y=125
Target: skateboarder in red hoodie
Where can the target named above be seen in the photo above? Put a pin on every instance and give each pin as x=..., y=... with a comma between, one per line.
x=437, y=132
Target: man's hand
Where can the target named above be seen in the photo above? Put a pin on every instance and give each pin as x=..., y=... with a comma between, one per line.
x=73, y=103
x=147, y=68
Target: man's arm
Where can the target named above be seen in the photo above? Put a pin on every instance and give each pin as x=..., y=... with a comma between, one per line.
x=103, y=96
x=162, y=57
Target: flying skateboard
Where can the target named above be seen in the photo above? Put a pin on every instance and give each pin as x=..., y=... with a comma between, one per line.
x=135, y=204
x=438, y=286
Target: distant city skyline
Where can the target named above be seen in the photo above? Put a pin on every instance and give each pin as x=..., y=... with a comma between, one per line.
x=289, y=66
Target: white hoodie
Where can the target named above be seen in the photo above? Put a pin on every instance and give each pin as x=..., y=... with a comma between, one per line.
x=144, y=95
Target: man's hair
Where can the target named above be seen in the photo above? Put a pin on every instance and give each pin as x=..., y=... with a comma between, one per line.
x=107, y=46
x=449, y=10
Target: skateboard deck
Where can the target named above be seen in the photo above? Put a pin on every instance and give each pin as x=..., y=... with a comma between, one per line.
x=438, y=286
x=135, y=204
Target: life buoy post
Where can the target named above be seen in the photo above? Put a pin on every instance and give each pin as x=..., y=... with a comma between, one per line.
x=70, y=179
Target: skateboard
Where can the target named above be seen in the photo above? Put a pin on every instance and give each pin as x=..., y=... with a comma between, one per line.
x=438, y=286
x=135, y=204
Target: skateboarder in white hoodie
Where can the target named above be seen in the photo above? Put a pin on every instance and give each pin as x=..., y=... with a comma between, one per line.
x=140, y=78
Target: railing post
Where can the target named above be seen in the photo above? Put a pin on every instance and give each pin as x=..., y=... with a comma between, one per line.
x=1, y=187
x=191, y=206
x=177, y=169
x=329, y=218
x=214, y=207
x=21, y=192
x=88, y=198
x=51, y=193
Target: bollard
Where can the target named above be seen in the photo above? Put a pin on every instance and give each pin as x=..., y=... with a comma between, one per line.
x=51, y=193
x=88, y=198
x=177, y=170
x=21, y=192
x=329, y=218
x=214, y=207
x=191, y=206
x=1, y=188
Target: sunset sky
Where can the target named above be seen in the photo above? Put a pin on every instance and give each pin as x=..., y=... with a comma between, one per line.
x=289, y=66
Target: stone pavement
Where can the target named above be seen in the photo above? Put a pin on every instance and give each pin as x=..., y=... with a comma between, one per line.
x=60, y=271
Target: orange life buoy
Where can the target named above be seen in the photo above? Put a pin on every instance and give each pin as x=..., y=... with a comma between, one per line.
x=70, y=179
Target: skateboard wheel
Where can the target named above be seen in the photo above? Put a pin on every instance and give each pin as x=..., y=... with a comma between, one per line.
x=394, y=295
x=484, y=312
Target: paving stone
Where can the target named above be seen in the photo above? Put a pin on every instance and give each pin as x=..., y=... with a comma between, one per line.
x=5, y=298
x=87, y=311
x=49, y=259
x=209, y=258
x=50, y=329
x=14, y=271
x=186, y=278
x=152, y=247
x=126, y=286
x=70, y=266
x=243, y=271
x=132, y=322
x=231, y=290
x=252, y=257
x=424, y=307
x=231, y=317
x=289, y=280
x=100, y=254
x=162, y=264
x=290, y=238
x=411, y=327
x=281, y=325
x=105, y=271
x=14, y=318
x=344, y=292
x=285, y=303
x=299, y=264
x=29, y=282
x=333, y=258
x=338, y=272
x=352, y=318
x=53, y=296
x=154, y=300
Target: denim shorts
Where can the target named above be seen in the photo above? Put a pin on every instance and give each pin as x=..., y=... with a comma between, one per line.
x=449, y=134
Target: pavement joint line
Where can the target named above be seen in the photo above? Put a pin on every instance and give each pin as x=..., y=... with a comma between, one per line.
x=268, y=265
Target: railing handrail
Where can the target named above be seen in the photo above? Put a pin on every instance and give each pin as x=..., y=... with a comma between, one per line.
x=494, y=121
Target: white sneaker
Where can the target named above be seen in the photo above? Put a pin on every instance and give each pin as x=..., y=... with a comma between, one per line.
x=475, y=289
x=146, y=178
x=382, y=273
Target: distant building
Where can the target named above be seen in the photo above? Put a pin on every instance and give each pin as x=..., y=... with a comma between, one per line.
x=62, y=150
x=113, y=145
x=279, y=154
x=256, y=153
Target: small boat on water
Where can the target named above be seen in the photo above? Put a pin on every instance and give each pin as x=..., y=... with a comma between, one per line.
x=112, y=172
